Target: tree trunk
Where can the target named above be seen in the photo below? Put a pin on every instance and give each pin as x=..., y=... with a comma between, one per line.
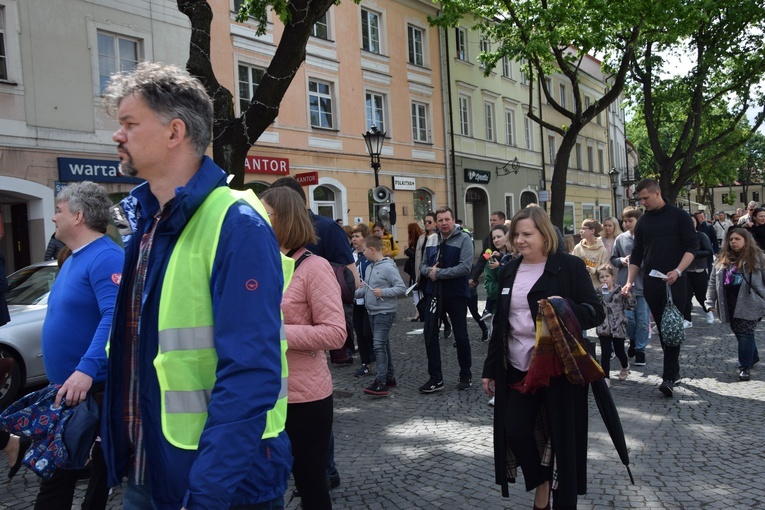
x=560, y=171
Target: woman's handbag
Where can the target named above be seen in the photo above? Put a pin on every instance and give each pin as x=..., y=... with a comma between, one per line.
x=672, y=330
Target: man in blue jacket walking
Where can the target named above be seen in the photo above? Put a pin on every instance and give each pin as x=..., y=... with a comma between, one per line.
x=195, y=398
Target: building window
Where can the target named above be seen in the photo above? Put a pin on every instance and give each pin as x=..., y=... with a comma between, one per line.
x=249, y=79
x=423, y=203
x=524, y=77
x=324, y=200
x=488, y=110
x=510, y=127
x=509, y=205
x=416, y=42
x=464, y=115
x=588, y=212
x=116, y=54
x=507, y=69
x=3, y=54
x=551, y=151
x=527, y=133
x=590, y=159
x=420, y=122
x=601, y=164
x=563, y=95
x=375, y=107
x=320, y=29
x=370, y=31
x=568, y=219
x=461, y=39
x=587, y=102
x=548, y=88
x=485, y=47
x=578, y=156
x=320, y=104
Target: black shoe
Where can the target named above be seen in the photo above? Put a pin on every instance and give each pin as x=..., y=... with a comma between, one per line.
x=432, y=386
x=639, y=359
x=743, y=375
x=334, y=481
x=377, y=388
x=447, y=330
x=667, y=388
x=24, y=444
x=631, y=351
x=464, y=384
x=390, y=382
x=485, y=335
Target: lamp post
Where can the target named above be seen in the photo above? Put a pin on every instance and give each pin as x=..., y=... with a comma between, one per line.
x=374, y=138
x=688, y=186
x=613, y=175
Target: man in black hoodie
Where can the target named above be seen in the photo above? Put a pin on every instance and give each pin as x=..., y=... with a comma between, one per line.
x=665, y=240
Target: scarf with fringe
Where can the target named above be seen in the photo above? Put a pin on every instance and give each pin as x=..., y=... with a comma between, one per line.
x=559, y=349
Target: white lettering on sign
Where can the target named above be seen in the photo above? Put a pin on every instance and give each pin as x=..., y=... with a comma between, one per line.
x=265, y=165
x=474, y=176
x=95, y=170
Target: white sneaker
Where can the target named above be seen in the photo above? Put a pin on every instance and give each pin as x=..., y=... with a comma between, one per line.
x=710, y=317
x=624, y=373
x=687, y=324
x=608, y=382
x=491, y=402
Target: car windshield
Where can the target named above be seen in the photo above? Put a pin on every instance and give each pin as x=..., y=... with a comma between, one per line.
x=30, y=285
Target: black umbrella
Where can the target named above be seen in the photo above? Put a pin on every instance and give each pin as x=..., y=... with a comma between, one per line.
x=610, y=417
x=432, y=312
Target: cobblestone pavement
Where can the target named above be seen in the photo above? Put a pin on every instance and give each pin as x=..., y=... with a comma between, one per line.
x=702, y=449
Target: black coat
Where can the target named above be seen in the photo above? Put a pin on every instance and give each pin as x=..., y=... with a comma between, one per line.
x=565, y=276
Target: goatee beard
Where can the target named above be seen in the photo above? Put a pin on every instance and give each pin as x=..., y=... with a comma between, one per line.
x=127, y=168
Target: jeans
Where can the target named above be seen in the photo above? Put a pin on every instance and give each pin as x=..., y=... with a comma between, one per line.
x=637, y=324
x=456, y=308
x=138, y=497
x=655, y=292
x=747, y=349
x=381, y=324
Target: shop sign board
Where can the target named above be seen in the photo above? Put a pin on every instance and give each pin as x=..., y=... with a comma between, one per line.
x=96, y=170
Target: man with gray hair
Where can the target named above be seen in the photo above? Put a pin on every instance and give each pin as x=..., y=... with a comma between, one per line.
x=749, y=216
x=196, y=393
x=77, y=324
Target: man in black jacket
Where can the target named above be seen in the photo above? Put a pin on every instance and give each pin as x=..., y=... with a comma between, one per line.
x=665, y=240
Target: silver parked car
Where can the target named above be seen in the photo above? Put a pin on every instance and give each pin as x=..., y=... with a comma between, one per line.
x=27, y=297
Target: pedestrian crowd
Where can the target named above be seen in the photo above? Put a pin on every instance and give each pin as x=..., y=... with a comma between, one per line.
x=218, y=315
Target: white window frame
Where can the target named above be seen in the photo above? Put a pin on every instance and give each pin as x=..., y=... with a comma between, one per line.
x=601, y=161
x=574, y=230
x=551, y=149
x=117, y=38
x=484, y=46
x=465, y=115
x=379, y=115
x=330, y=95
x=239, y=81
x=6, y=75
x=507, y=68
x=94, y=27
x=420, y=122
x=509, y=213
x=322, y=22
x=461, y=44
x=491, y=129
x=591, y=158
x=563, y=95
x=412, y=45
x=528, y=133
x=548, y=86
x=510, y=127
x=368, y=36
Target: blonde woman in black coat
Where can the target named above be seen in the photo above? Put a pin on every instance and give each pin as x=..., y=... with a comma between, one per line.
x=540, y=272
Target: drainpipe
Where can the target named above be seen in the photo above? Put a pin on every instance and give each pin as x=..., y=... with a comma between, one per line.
x=451, y=185
x=542, y=138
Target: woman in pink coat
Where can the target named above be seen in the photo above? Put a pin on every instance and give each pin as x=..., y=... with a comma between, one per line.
x=314, y=322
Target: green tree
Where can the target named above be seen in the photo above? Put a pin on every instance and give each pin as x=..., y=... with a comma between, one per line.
x=233, y=136
x=752, y=169
x=554, y=38
x=695, y=121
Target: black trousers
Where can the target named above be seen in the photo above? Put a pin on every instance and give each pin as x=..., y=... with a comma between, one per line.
x=57, y=492
x=605, y=352
x=697, y=286
x=655, y=293
x=363, y=333
x=308, y=426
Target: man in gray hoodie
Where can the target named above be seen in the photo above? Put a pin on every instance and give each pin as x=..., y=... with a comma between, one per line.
x=381, y=285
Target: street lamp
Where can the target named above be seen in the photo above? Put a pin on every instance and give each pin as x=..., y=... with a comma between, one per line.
x=614, y=176
x=375, y=139
x=688, y=186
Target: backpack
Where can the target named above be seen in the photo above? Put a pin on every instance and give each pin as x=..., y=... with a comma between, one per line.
x=344, y=277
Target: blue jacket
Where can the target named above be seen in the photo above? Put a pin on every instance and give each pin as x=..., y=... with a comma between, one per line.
x=454, y=263
x=233, y=465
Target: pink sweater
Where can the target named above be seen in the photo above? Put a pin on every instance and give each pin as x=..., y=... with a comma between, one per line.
x=314, y=321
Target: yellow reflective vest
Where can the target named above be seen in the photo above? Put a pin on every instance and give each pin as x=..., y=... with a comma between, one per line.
x=186, y=361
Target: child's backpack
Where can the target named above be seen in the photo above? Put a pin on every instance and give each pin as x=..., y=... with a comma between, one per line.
x=344, y=277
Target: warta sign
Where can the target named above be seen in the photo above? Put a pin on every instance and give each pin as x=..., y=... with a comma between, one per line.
x=266, y=165
x=96, y=170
